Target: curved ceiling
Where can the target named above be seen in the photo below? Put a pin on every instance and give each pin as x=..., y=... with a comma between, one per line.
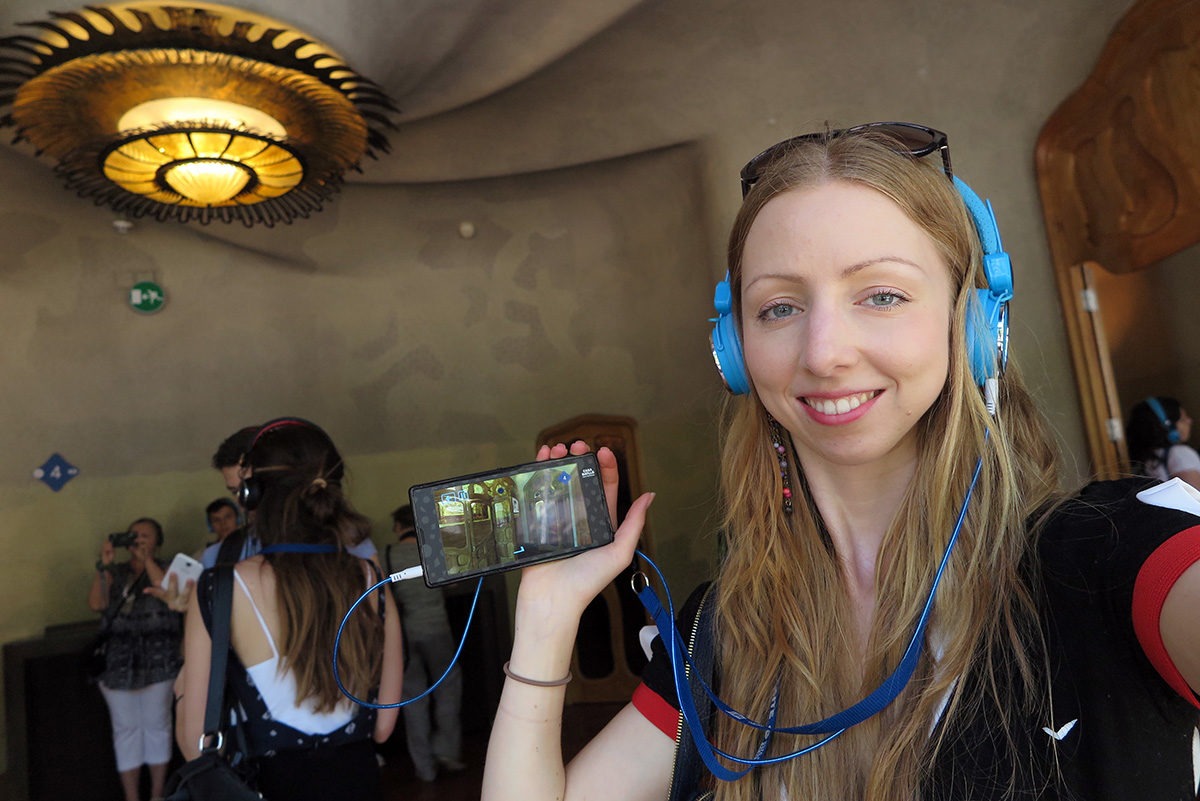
x=431, y=56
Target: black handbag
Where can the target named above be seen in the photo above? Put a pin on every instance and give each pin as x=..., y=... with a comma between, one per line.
x=95, y=657
x=210, y=776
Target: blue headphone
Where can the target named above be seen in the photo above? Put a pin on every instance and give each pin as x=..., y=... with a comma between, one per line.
x=1161, y=414
x=218, y=504
x=987, y=320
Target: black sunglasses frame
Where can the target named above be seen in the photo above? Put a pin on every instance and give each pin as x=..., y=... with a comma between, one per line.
x=907, y=134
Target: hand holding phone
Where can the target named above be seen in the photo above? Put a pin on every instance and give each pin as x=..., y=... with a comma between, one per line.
x=482, y=523
x=184, y=568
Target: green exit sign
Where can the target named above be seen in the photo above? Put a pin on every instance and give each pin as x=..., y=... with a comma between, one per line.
x=147, y=297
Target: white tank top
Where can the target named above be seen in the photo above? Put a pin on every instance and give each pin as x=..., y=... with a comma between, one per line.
x=277, y=686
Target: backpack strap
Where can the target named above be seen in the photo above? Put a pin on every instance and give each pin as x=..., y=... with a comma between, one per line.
x=212, y=739
x=230, y=551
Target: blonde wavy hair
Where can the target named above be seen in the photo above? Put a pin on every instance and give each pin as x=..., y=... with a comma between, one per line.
x=782, y=608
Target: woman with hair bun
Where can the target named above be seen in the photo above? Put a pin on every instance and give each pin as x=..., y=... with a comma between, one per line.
x=306, y=739
x=876, y=437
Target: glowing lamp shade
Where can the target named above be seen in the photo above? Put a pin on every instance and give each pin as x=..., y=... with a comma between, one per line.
x=203, y=167
x=208, y=181
x=192, y=113
x=167, y=111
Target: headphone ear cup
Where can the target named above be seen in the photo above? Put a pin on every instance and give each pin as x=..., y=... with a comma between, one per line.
x=1157, y=408
x=249, y=493
x=727, y=353
x=726, y=344
x=987, y=336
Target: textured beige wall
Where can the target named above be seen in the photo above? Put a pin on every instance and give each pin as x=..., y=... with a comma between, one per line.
x=585, y=288
x=424, y=354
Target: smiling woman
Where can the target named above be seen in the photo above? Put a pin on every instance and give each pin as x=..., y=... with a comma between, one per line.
x=846, y=315
x=902, y=567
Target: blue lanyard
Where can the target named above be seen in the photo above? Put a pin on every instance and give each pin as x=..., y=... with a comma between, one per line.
x=833, y=726
x=300, y=547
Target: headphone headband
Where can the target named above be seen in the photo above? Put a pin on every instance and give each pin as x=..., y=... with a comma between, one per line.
x=278, y=423
x=250, y=491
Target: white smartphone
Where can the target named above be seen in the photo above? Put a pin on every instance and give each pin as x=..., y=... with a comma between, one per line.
x=185, y=568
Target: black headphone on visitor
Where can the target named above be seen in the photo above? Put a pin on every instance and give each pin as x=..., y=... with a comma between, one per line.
x=251, y=489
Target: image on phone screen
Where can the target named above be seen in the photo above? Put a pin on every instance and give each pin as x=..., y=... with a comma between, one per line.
x=508, y=518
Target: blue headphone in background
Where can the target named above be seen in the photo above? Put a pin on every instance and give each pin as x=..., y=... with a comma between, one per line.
x=987, y=321
x=218, y=504
x=1161, y=414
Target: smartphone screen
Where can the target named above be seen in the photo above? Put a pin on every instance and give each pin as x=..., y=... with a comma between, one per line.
x=469, y=526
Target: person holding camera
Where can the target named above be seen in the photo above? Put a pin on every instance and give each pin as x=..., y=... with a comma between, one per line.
x=142, y=656
x=907, y=606
x=303, y=737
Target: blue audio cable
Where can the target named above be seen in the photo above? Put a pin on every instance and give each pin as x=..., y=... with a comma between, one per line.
x=404, y=575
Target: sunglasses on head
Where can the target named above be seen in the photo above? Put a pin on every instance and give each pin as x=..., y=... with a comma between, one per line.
x=911, y=139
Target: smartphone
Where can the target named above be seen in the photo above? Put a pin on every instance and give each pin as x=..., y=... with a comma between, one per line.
x=473, y=525
x=185, y=568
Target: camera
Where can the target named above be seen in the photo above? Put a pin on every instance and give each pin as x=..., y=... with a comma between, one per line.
x=122, y=539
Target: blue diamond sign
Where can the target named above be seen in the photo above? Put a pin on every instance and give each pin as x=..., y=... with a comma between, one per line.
x=56, y=472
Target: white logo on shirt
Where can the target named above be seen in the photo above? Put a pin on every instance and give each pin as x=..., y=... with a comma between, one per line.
x=1061, y=733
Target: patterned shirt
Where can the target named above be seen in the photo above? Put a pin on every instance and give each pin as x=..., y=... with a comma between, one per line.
x=145, y=635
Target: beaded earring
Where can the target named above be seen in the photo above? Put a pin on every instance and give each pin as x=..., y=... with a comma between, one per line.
x=784, y=472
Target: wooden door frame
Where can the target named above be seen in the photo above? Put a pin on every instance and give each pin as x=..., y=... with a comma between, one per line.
x=1118, y=170
x=1098, y=398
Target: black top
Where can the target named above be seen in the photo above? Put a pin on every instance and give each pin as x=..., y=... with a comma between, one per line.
x=1133, y=735
x=145, y=634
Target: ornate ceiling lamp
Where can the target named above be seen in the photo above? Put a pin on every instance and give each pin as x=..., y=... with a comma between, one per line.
x=196, y=112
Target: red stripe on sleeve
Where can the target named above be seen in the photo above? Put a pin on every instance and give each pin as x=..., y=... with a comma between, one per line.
x=656, y=710
x=1154, y=582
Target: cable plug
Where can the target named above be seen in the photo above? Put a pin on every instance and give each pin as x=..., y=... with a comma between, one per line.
x=416, y=571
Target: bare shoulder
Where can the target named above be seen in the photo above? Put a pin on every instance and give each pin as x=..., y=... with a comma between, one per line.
x=256, y=574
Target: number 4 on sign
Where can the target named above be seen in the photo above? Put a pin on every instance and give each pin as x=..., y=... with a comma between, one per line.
x=56, y=472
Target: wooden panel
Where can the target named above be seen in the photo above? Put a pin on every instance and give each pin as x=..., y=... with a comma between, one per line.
x=1119, y=161
x=59, y=735
x=1098, y=387
x=1118, y=170
x=608, y=660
